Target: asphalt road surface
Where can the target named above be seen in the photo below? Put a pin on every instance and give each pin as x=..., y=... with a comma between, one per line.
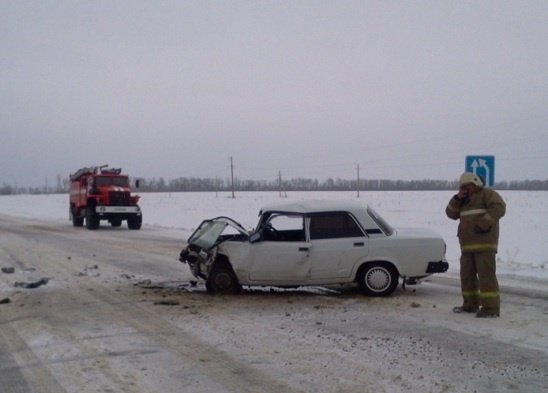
x=113, y=310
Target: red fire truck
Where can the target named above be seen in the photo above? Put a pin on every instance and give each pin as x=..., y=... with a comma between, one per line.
x=101, y=193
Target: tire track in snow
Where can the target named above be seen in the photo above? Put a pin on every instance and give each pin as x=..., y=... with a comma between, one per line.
x=216, y=370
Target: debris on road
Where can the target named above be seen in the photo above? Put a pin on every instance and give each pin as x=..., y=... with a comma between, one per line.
x=166, y=303
x=89, y=271
x=185, y=286
x=32, y=285
x=5, y=300
x=8, y=270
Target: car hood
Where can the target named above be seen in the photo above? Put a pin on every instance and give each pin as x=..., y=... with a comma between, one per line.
x=209, y=232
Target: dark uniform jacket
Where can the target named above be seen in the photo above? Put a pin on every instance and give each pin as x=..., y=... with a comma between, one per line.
x=479, y=217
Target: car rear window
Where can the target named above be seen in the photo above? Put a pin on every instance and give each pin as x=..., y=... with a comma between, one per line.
x=385, y=227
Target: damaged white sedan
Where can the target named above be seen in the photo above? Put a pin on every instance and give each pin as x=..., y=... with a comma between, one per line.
x=318, y=243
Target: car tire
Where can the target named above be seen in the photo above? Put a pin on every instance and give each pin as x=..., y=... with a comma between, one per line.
x=378, y=279
x=222, y=279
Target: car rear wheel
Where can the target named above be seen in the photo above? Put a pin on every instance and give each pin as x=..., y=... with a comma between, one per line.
x=378, y=279
x=222, y=280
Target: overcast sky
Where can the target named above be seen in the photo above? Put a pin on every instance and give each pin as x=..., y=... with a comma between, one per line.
x=404, y=89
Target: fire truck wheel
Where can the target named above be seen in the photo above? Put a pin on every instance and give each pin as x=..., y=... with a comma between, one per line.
x=134, y=222
x=92, y=219
x=77, y=221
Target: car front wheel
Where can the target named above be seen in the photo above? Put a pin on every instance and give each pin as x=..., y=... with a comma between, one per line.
x=378, y=279
x=222, y=280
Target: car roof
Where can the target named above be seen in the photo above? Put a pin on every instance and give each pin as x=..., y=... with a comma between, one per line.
x=315, y=206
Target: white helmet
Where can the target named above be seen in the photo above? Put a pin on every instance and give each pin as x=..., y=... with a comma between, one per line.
x=468, y=177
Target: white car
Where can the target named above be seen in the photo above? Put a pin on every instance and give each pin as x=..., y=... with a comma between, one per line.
x=320, y=243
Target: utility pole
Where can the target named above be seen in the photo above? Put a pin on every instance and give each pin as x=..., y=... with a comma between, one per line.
x=358, y=182
x=232, y=176
x=280, y=182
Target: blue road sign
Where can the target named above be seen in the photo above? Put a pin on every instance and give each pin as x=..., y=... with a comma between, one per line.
x=483, y=166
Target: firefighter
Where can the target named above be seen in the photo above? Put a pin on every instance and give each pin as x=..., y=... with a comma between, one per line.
x=478, y=210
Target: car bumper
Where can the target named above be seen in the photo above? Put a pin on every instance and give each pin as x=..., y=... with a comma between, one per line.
x=117, y=209
x=437, y=267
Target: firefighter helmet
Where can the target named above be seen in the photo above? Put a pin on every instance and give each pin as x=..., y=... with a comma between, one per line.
x=470, y=178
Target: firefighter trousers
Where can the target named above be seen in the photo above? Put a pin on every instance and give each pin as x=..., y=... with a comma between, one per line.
x=479, y=282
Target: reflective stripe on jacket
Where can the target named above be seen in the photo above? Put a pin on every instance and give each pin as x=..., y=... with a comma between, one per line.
x=479, y=217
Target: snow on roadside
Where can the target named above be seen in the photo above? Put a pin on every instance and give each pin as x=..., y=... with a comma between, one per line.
x=523, y=251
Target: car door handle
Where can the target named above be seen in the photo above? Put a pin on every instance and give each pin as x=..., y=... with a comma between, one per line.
x=304, y=249
x=359, y=244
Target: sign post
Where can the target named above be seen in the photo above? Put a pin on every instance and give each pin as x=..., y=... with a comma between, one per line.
x=483, y=166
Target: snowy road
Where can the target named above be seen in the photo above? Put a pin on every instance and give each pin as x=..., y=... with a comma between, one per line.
x=119, y=314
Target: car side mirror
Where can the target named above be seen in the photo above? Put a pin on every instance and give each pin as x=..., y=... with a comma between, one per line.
x=255, y=237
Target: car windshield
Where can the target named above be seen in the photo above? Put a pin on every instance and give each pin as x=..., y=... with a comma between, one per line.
x=385, y=227
x=209, y=231
x=207, y=234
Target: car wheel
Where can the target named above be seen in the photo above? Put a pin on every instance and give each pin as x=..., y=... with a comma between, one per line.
x=222, y=280
x=378, y=279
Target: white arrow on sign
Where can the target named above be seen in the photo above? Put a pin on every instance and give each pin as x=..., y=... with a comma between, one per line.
x=482, y=164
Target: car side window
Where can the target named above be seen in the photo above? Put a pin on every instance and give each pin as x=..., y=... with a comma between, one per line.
x=333, y=226
x=285, y=228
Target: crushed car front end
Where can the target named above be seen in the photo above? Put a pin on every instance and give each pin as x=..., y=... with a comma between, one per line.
x=204, y=243
x=198, y=260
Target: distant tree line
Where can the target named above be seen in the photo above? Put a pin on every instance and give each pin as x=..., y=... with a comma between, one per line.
x=189, y=184
x=194, y=184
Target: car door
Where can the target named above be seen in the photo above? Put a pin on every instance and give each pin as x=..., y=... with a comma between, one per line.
x=337, y=243
x=282, y=256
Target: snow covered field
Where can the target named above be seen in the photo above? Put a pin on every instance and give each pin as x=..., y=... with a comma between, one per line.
x=523, y=249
